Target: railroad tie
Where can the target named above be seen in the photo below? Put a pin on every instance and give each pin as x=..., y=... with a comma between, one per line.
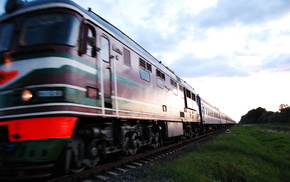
x=112, y=173
x=101, y=177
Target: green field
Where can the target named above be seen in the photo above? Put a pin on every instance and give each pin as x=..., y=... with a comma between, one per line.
x=248, y=153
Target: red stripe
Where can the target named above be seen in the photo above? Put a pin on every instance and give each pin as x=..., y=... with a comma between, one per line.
x=5, y=77
x=40, y=128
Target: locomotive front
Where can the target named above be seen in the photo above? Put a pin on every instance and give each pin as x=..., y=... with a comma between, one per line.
x=41, y=94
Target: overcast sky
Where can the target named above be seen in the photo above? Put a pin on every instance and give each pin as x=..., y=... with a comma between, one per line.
x=235, y=53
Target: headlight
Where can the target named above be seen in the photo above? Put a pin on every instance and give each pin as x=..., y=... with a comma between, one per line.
x=26, y=95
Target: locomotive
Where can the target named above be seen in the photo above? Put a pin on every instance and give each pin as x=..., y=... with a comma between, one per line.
x=75, y=89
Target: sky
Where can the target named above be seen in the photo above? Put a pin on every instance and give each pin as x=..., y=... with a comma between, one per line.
x=236, y=54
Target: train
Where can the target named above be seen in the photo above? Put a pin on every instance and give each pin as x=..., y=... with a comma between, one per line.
x=74, y=89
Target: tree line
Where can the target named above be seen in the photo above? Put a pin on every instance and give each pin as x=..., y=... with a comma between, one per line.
x=261, y=115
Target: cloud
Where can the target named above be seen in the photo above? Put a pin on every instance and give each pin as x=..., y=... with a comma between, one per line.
x=277, y=63
x=172, y=31
x=155, y=25
x=227, y=12
x=188, y=66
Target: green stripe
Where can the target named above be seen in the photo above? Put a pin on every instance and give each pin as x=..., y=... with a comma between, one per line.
x=56, y=54
x=130, y=83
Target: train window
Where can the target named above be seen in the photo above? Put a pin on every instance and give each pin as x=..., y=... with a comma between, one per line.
x=149, y=67
x=145, y=75
x=145, y=70
x=193, y=97
x=142, y=63
x=160, y=83
x=5, y=36
x=160, y=74
x=145, y=65
x=105, y=49
x=188, y=94
x=91, y=42
x=181, y=88
x=173, y=83
x=127, y=57
x=58, y=28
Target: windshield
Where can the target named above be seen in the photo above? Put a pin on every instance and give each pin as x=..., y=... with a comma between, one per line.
x=5, y=36
x=57, y=28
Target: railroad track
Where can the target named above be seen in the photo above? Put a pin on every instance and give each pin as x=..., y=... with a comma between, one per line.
x=116, y=168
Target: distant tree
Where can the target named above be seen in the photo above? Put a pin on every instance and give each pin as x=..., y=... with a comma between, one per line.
x=283, y=106
x=261, y=115
x=243, y=120
x=285, y=115
x=264, y=118
x=253, y=116
x=275, y=118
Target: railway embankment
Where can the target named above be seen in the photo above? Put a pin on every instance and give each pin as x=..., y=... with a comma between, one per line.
x=246, y=153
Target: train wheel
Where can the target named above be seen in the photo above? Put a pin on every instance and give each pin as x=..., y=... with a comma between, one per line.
x=84, y=154
x=78, y=148
x=92, y=154
x=191, y=134
x=189, y=131
x=131, y=145
x=156, y=141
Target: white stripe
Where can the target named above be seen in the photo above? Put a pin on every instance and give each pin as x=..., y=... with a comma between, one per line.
x=78, y=113
x=49, y=104
x=58, y=85
x=50, y=113
x=134, y=101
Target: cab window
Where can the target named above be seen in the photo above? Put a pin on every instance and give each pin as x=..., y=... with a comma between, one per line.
x=91, y=42
x=53, y=28
x=105, y=51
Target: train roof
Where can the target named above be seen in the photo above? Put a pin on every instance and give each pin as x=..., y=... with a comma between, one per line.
x=114, y=31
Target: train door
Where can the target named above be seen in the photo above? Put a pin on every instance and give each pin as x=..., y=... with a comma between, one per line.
x=106, y=72
x=200, y=108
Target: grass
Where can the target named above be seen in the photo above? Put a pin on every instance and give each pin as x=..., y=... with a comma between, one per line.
x=248, y=153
